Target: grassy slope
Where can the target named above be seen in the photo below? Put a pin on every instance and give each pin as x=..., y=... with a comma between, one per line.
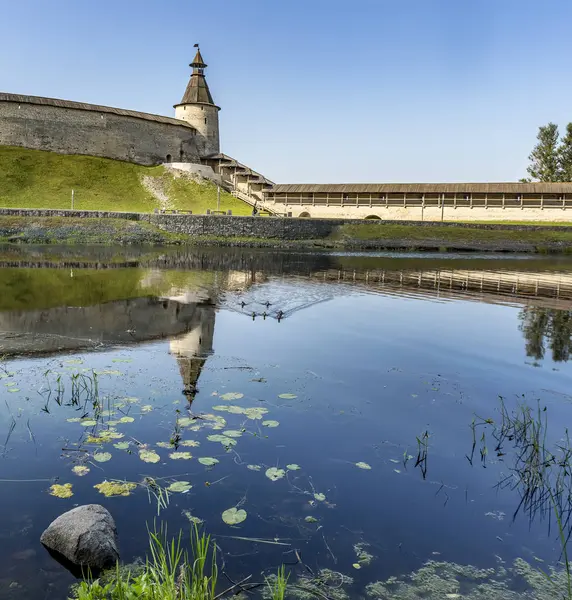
x=36, y=179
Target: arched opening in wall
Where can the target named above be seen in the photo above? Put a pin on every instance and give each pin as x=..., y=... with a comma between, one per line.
x=181, y=155
x=168, y=158
x=372, y=217
x=304, y=215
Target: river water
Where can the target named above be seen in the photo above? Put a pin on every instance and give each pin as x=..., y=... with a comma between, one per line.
x=362, y=396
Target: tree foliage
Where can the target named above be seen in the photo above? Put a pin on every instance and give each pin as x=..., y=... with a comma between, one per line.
x=565, y=155
x=543, y=327
x=544, y=158
x=551, y=158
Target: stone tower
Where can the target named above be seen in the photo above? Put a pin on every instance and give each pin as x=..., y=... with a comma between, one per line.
x=198, y=109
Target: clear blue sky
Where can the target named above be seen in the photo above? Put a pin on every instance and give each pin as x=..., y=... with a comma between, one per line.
x=316, y=90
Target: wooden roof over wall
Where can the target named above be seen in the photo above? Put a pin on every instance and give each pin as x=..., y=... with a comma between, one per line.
x=22, y=99
x=423, y=188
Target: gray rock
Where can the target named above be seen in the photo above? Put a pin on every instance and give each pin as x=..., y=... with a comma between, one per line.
x=86, y=536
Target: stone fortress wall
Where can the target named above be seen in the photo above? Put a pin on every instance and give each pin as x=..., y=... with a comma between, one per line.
x=76, y=128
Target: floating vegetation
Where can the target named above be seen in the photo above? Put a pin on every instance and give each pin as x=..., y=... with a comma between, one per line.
x=234, y=516
x=121, y=445
x=13, y=389
x=255, y=413
x=287, y=396
x=126, y=420
x=167, y=445
x=232, y=433
x=189, y=443
x=115, y=488
x=270, y=423
x=111, y=435
x=310, y=519
x=147, y=408
x=323, y=584
x=109, y=372
x=254, y=467
x=122, y=360
x=235, y=410
x=149, y=456
x=185, y=421
x=363, y=465
x=80, y=470
x=274, y=474
x=208, y=461
x=94, y=439
x=180, y=486
x=61, y=490
x=364, y=557
x=231, y=396
x=435, y=579
x=225, y=441
x=89, y=423
x=74, y=420
x=102, y=456
x=293, y=467
x=356, y=566
x=180, y=455
x=192, y=519
x=320, y=497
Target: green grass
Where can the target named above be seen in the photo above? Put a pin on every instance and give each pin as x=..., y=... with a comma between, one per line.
x=36, y=179
x=412, y=233
x=172, y=573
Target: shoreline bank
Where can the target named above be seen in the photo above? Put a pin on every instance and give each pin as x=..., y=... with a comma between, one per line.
x=101, y=228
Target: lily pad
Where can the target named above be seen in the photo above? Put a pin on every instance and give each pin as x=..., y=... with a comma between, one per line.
x=287, y=396
x=208, y=461
x=13, y=389
x=74, y=420
x=320, y=497
x=231, y=396
x=131, y=400
x=126, y=420
x=293, y=467
x=270, y=423
x=61, y=491
x=180, y=486
x=95, y=439
x=310, y=519
x=109, y=372
x=149, y=456
x=102, y=456
x=234, y=516
x=233, y=433
x=180, y=455
x=255, y=413
x=147, y=408
x=115, y=488
x=254, y=467
x=190, y=443
x=74, y=361
x=121, y=445
x=106, y=413
x=274, y=474
x=225, y=441
x=356, y=566
x=363, y=465
x=89, y=423
x=185, y=421
x=111, y=435
x=122, y=360
x=167, y=445
x=81, y=470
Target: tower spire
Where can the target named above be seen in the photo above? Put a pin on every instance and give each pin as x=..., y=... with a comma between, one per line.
x=197, y=89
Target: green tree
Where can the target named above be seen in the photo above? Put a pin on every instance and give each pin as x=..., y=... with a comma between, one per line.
x=545, y=157
x=565, y=155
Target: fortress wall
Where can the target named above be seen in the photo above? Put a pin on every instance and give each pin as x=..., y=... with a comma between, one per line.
x=432, y=213
x=94, y=133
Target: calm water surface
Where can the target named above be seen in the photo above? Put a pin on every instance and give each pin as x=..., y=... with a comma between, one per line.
x=348, y=359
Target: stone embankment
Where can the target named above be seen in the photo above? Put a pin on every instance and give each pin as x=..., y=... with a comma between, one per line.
x=66, y=226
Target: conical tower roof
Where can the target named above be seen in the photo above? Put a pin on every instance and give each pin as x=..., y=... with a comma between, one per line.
x=197, y=91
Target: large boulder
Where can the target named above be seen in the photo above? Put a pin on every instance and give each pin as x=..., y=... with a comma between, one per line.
x=86, y=536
